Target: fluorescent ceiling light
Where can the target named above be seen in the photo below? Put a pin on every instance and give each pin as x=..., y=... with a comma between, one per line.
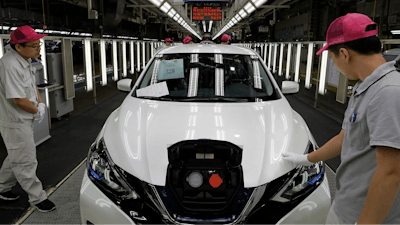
x=171, y=13
x=7, y=27
x=258, y=3
x=234, y=20
x=210, y=26
x=238, y=18
x=322, y=76
x=176, y=17
x=156, y=2
x=165, y=7
x=249, y=8
x=88, y=65
x=242, y=13
x=204, y=26
x=395, y=31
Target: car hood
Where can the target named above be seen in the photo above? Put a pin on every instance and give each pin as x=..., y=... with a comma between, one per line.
x=138, y=134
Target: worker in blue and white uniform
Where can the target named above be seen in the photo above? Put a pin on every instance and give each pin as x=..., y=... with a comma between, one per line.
x=368, y=178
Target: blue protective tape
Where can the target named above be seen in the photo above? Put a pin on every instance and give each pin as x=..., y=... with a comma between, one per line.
x=316, y=178
x=94, y=174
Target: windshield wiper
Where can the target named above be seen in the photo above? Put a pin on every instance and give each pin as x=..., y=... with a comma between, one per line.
x=156, y=98
x=214, y=99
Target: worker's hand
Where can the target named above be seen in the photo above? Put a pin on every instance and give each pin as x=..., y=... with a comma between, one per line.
x=296, y=158
x=40, y=113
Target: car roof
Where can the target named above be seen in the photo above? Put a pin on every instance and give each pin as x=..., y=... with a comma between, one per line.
x=393, y=51
x=208, y=48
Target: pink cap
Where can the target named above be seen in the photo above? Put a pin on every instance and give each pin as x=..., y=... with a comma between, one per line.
x=186, y=40
x=168, y=39
x=225, y=37
x=347, y=28
x=24, y=34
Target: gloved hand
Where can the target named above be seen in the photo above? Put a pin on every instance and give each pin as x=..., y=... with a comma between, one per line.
x=40, y=113
x=296, y=158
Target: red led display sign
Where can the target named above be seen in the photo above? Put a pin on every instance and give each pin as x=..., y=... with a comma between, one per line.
x=206, y=13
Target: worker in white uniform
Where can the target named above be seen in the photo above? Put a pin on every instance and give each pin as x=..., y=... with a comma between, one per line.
x=368, y=178
x=20, y=105
x=167, y=43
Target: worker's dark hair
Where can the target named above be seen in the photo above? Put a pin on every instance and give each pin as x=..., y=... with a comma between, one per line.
x=13, y=45
x=365, y=46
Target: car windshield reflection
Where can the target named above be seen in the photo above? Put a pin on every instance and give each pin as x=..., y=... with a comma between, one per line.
x=206, y=78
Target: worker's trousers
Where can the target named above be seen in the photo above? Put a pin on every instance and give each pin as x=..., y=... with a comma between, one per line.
x=21, y=163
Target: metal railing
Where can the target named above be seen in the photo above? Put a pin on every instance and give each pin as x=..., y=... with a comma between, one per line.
x=291, y=62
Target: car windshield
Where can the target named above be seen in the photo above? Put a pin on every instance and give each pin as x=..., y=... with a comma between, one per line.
x=390, y=57
x=206, y=77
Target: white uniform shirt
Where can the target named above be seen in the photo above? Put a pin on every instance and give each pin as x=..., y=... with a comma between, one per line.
x=17, y=80
x=371, y=119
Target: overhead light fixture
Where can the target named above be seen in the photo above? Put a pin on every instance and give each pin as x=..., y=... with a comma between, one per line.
x=165, y=7
x=395, y=31
x=242, y=13
x=249, y=8
x=234, y=20
x=204, y=26
x=176, y=17
x=171, y=13
x=156, y=2
x=210, y=26
x=258, y=3
x=238, y=18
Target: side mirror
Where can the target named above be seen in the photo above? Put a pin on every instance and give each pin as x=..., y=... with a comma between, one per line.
x=124, y=85
x=290, y=87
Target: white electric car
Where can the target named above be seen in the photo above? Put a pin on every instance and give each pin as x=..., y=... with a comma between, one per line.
x=198, y=139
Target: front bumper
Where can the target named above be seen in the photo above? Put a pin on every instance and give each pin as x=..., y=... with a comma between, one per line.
x=97, y=208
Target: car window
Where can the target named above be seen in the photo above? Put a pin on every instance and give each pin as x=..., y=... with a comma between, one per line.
x=390, y=57
x=195, y=76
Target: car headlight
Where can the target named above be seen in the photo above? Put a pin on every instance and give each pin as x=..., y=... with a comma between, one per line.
x=304, y=180
x=105, y=174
